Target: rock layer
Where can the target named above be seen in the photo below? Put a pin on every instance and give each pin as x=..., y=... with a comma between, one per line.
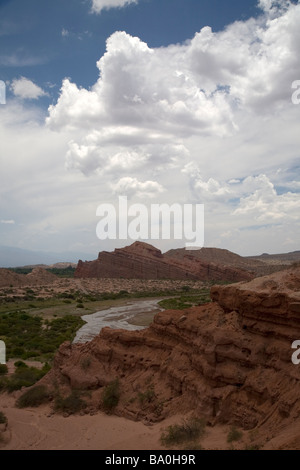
x=228, y=361
x=143, y=261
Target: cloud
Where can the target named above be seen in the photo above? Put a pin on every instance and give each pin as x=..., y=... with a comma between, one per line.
x=254, y=196
x=25, y=89
x=99, y=5
x=20, y=59
x=130, y=187
x=264, y=204
x=200, y=88
x=65, y=33
x=8, y=222
x=209, y=121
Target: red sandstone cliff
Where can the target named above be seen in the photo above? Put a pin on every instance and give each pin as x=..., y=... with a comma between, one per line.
x=228, y=361
x=143, y=261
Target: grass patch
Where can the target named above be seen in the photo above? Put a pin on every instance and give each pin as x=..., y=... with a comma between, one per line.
x=34, y=397
x=234, y=435
x=111, y=396
x=189, y=431
x=186, y=300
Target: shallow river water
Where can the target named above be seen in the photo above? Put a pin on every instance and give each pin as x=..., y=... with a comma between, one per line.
x=115, y=317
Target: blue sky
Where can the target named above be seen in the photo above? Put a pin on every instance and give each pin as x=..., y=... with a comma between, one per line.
x=62, y=38
x=163, y=101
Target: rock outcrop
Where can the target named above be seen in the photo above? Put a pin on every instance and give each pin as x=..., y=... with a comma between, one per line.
x=143, y=261
x=229, y=361
x=37, y=277
x=258, y=266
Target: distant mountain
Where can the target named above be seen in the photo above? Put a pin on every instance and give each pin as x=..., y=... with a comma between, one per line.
x=11, y=257
x=259, y=265
x=282, y=258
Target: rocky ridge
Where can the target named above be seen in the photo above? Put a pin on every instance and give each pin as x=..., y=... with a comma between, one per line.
x=143, y=261
x=228, y=361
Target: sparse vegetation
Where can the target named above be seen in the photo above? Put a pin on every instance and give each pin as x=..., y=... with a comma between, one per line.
x=23, y=377
x=253, y=447
x=27, y=336
x=234, y=435
x=186, y=300
x=146, y=397
x=189, y=431
x=33, y=397
x=71, y=404
x=111, y=396
x=3, y=369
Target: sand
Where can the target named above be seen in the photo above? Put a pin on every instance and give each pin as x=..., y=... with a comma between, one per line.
x=39, y=429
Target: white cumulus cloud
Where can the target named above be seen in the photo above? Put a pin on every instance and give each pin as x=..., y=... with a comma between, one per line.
x=130, y=187
x=25, y=89
x=99, y=5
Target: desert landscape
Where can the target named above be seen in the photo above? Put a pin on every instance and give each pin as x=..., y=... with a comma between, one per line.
x=149, y=226
x=218, y=368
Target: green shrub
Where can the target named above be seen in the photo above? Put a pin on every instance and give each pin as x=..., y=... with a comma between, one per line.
x=148, y=396
x=3, y=369
x=234, y=434
x=71, y=404
x=80, y=306
x=253, y=447
x=3, y=418
x=21, y=364
x=33, y=397
x=24, y=377
x=111, y=396
x=188, y=431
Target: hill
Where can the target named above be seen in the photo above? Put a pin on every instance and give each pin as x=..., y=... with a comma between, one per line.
x=143, y=261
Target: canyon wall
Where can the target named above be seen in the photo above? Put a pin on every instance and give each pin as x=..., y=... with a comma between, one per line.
x=228, y=361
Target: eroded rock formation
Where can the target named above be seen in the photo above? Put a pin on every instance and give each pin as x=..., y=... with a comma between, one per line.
x=229, y=360
x=143, y=261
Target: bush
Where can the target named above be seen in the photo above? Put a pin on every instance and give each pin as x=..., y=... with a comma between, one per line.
x=189, y=430
x=33, y=397
x=24, y=377
x=111, y=396
x=21, y=364
x=234, y=434
x=3, y=369
x=71, y=404
x=148, y=396
x=3, y=418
